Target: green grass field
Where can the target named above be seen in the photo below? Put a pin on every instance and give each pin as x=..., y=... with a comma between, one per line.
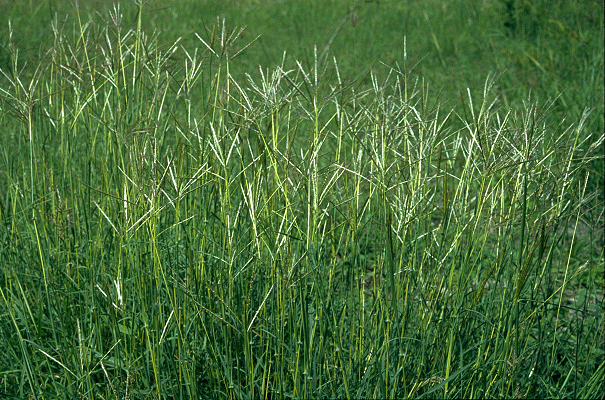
x=345, y=199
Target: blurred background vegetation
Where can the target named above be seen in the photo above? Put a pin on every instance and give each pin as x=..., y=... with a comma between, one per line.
x=543, y=48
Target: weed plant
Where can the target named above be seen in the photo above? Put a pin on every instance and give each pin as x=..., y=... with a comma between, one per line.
x=170, y=231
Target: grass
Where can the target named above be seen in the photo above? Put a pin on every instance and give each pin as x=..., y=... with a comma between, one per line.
x=179, y=224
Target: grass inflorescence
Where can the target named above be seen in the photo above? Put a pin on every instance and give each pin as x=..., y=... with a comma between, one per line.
x=170, y=230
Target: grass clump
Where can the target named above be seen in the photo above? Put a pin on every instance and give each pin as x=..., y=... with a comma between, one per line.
x=171, y=231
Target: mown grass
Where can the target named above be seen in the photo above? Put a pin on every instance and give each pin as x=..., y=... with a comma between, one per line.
x=174, y=228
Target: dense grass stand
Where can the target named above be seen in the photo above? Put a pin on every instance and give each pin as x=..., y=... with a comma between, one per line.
x=174, y=229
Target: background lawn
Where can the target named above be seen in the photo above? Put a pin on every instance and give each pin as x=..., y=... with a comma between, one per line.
x=546, y=49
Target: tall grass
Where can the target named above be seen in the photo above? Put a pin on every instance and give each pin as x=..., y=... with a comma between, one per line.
x=169, y=231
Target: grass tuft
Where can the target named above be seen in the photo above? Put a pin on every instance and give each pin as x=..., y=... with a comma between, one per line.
x=175, y=228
